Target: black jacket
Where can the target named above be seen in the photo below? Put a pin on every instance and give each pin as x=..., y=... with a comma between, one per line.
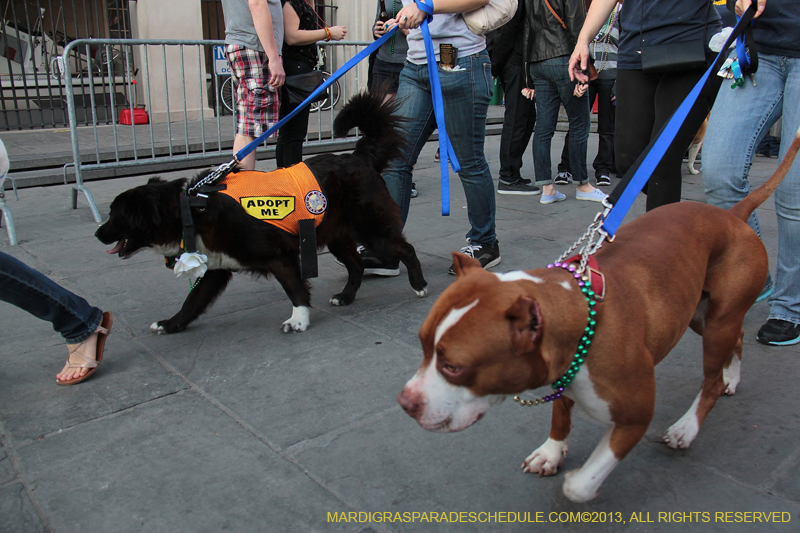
x=543, y=35
x=504, y=45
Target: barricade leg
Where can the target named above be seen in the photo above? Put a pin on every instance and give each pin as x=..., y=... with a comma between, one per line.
x=12, y=234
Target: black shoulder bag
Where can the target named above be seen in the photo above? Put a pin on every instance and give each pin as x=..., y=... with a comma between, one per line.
x=298, y=87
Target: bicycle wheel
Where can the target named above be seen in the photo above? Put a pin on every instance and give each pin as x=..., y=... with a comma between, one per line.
x=332, y=99
x=226, y=94
x=111, y=58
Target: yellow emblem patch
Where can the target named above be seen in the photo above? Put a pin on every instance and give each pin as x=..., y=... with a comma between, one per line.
x=268, y=207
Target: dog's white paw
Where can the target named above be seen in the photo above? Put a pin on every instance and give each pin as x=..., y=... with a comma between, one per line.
x=336, y=301
x=154, y=327
x=681, y=434
x=575, y=488
x=546, y=459
x=423, y=293
x=299, y=321
x=732, y=375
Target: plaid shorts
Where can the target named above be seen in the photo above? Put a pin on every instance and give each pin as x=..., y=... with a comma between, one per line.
x=256, y=106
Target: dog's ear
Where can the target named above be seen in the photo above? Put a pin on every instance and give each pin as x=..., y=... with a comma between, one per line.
x=463, y=263
x=155, y=179
x=525, y=321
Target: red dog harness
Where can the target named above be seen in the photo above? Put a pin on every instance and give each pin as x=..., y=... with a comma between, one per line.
x=595, y=276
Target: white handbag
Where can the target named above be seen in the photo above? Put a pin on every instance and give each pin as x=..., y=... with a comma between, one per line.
x=491, y=16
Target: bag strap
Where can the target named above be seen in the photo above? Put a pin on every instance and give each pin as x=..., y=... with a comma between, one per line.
x=553, y=11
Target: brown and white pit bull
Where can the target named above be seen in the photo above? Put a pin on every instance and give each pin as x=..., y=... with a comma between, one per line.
x=490, y=335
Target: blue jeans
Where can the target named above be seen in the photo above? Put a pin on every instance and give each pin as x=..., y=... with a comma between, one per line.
x=739, y=120
x=603, y=163
x=28, y=289
x=466, y=93
x=553, y=87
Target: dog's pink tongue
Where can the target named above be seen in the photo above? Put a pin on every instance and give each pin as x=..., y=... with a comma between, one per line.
x=116, y=248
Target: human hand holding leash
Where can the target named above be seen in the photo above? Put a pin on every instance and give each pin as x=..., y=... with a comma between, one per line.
x=410, y=17
x=742, y=5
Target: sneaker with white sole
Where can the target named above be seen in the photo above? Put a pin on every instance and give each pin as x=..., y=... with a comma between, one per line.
x=488, y=257
x=374, y=265
x=552, y=198
x=517, y=187
x=603, y=180
x=595, y=196
x=563, y=178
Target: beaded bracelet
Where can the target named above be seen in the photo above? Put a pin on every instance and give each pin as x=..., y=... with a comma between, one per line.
x=327, y=34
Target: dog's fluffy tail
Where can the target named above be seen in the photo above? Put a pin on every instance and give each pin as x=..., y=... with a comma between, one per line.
x=749, y=204
x=381, y=139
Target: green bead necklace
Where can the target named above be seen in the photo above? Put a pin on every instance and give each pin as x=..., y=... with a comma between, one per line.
x=583, y=346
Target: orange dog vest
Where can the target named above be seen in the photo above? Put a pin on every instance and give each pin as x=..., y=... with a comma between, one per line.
x=281, y=197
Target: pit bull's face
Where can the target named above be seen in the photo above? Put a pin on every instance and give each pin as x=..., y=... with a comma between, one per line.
x=480, y=343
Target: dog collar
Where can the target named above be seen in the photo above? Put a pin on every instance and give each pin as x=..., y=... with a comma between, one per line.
x=585, y=283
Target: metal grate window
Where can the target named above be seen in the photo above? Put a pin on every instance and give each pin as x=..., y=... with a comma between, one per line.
x=33, y=33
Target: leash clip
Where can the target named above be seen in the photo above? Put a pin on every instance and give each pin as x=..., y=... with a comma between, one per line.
x=216, y=174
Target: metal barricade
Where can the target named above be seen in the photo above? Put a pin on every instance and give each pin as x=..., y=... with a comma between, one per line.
x=141, y=86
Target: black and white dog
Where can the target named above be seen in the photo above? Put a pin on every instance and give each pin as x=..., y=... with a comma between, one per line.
x=359, y=210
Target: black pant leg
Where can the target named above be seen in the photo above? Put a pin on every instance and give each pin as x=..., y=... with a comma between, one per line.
x=289, y=147
x=604, y=161
x=518, y=122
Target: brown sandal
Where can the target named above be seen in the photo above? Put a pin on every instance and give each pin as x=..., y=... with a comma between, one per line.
x=102, y=332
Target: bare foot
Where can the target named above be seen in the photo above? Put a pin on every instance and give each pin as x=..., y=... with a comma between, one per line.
x=78, y=354
x=586, y=187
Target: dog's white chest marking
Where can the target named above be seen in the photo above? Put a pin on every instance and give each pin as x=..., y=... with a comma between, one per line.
x=218, y=261
x=167, y=250
x=581, y=390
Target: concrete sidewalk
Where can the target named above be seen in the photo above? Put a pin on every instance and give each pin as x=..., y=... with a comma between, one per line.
x=234, y=426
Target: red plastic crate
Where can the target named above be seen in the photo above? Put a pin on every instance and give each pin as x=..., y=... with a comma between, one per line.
x=139, y=116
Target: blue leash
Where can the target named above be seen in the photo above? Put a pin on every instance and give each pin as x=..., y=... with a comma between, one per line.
x=635, y=179
x=241, y=154
x=445, y=148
